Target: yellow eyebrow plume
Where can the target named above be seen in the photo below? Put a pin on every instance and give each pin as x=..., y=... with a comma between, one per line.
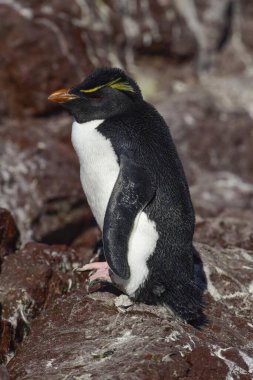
x=93, y=89
x=122, y=86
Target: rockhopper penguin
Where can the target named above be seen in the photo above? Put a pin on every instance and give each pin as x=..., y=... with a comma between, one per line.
x=135, y=185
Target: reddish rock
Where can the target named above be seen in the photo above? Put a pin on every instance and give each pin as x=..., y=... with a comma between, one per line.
x=4, y=373
x=80, y=334
x=9, y=233
x=85, y=244
x=205, y=365
x=6, y=338
x=226, y=144
x=62, y=40
x=36, y=50
x=40, y=182
x=246, y=25
x=213, y=193
x=143, y=342
x=207, y=136
x=49, y=46
x=229, y=275
x=30, y=281
x=215, y=147
x=230, y=228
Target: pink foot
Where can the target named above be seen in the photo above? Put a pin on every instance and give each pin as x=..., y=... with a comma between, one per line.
x=101, y=271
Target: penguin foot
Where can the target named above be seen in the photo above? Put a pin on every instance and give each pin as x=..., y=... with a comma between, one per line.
x=99, y=277
x=100, y=271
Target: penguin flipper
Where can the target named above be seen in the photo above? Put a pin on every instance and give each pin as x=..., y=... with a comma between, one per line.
x=132, y=191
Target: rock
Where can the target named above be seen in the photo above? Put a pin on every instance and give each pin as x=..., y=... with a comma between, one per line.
x=211, y=22
x=226, y=137
x=226, y=140
x=215, y=147
x=123, y=302
x=246, y=25
x=30, y=281
x=215, y=192
x=232, y=227
x=29, y=32
x=62, y=39
x=146, y=341
x=40, y=182
x=4, y=373
x=67, y=40
x=85, y=244
x=9, y=233
x=6, y=340
x=229, y=277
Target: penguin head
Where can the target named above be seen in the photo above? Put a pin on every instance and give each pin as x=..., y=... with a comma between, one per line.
x=105, y=93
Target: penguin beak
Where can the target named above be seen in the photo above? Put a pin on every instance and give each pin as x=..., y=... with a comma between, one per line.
x=62, y=96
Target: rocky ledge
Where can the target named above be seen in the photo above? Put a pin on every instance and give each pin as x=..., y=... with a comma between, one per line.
x=52, y=328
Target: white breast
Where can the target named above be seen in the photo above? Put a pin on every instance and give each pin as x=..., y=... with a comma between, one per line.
x=99, y=170
x=98, y=166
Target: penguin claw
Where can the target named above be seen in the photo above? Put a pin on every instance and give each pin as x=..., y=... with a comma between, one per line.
x=93, y=266
x=100, y=273
x=93, y=286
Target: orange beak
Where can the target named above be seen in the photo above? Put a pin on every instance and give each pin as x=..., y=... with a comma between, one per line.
x=61, y=96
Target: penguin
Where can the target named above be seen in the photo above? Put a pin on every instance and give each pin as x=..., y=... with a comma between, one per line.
x=137, y=190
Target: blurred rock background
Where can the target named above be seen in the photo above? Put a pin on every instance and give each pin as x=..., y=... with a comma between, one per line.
x=193, y=60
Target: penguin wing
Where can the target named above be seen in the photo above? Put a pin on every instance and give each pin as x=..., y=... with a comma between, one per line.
x=133, y=190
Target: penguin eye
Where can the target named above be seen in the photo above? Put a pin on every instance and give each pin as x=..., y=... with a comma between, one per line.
x=97, y=98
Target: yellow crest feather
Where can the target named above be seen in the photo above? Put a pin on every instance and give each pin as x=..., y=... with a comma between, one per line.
x=116, y=84
x=93, y=89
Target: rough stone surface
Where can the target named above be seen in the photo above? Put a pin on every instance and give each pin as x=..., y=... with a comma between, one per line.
x=39, y=181
x=226, y=137
x=215, y=146
x=86, y=335
x=85, y=244
x=4, y=373
x=6, y=339
x=30, y=280
x=9, y=233
x=66, y=40
x=231, y=228
x=246, y=27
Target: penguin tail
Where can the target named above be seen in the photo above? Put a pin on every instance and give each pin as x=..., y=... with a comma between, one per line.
x=184, y=299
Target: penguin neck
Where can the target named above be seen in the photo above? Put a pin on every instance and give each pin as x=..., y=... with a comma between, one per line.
x=80, y=136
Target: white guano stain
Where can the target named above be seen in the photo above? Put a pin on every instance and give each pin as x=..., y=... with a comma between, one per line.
x=233, y=368
x=210, y=286
x=23, y=11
